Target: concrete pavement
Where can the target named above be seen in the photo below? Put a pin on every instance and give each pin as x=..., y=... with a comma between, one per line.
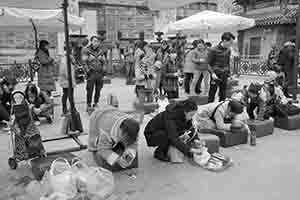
x=268, y=171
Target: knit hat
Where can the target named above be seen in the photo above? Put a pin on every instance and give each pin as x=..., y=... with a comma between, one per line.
x=132, y=128
x=236, y=107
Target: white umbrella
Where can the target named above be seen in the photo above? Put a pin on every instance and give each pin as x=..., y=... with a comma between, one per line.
x=211, y=22
x=44, y=20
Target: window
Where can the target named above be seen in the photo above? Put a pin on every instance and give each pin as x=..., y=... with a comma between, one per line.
x=255, y=46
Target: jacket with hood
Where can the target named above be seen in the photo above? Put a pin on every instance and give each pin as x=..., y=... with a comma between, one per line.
x=172, y=121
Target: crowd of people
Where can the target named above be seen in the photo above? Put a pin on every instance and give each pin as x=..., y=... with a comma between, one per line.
x=157, y=70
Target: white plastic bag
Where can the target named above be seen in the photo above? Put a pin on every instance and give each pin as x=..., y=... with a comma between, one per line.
x=175, y=155
x=61, y=178
x=96, y=181
x=162, y=104
x=202, y=159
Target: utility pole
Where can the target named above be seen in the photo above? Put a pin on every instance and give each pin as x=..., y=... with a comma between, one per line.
x=294, y=83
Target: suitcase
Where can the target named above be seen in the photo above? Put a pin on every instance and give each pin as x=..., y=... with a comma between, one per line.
x=212, y=142
x=262, y=128
x=229, y=139
x=40, y=165
x=288, y=123
x=199, y=99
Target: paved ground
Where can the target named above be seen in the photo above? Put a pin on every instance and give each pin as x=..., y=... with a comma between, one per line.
x=268, y=171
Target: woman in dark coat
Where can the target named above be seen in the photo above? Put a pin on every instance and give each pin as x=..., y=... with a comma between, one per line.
x=165, y=129
x=46, y=80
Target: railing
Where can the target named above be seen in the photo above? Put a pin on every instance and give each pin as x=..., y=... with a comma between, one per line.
x=249, y=66
x=23, y=72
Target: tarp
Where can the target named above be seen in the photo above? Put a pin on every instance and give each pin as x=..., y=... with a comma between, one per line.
x=211, y=22
x=44, y=20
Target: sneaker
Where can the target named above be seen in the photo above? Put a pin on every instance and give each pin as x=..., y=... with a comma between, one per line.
x=160, y=155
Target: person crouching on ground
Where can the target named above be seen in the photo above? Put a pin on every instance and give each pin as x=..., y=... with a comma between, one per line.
x=218, y=116
x=40, y=103
x=113, y=137
x=165, y=129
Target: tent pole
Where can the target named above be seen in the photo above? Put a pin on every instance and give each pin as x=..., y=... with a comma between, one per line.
x=74, y=114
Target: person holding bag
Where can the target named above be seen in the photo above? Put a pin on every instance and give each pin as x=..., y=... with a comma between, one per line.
x=164, y=131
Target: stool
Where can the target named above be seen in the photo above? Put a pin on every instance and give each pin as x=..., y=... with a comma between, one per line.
x=116, y=168
x=262, y=128
x=199, y=99
x=288, y=123
x=212, y=142
x=137, y=115
x=106, y=80
x=229, y=139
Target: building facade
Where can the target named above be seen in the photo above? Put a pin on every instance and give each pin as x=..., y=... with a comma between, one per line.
x=275, y=24
x=128, y=17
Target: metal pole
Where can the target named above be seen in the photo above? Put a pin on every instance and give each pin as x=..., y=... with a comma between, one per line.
x=68, y=52
x=296, y=63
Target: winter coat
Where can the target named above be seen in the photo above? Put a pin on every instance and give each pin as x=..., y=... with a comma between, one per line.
x=63, y=73
x=286, y=58
x=95, y=59
x=46, y=80
x=139, y=75
x=172, y=121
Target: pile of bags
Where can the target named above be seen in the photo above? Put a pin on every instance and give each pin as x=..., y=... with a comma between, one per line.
x=75, y=181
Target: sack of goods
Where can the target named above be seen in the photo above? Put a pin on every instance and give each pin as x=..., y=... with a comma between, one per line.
x=66, y=181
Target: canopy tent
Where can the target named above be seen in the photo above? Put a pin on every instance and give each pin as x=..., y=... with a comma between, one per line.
x=44, y=20
x=210, y=22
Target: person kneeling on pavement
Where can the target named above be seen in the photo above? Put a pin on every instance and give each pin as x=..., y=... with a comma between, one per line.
x=219, y=116
x=113, y=137
x=166, y=128
x=7, y=85
x=269, y=99
x=39, y=102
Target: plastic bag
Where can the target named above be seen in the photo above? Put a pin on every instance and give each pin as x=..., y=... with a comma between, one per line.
x=201, y=159
x=175, y=155
x=61, y=178
x=96, y=181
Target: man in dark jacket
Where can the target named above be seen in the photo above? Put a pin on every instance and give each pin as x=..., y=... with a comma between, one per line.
x=219, y=66
x=166, y=128
x=286, y=62
x=94, y=58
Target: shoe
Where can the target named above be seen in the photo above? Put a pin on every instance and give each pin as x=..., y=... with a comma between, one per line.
x=49, y=119
x=95, y=105
x=160, y=155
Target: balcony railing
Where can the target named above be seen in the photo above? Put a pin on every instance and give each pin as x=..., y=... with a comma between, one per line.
x=249, y=66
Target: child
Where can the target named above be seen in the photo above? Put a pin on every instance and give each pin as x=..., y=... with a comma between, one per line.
x=40, y=103
x=27, y=138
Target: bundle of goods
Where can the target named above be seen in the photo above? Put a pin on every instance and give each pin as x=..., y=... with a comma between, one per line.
x=67, y=181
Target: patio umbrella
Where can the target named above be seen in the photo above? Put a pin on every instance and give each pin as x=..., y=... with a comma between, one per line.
x=211, y=22
x=13, y=19
x=53, y=4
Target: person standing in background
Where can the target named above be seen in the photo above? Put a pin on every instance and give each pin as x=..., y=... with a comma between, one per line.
x=139, y=75
x=94, y=58
x=46, y=80
x=189, y=68
x=219, y=66
x=199, y=58
x=129, y=62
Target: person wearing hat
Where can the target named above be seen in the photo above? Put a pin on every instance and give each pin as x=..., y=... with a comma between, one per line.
x=286, y=59
x=218, y=115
